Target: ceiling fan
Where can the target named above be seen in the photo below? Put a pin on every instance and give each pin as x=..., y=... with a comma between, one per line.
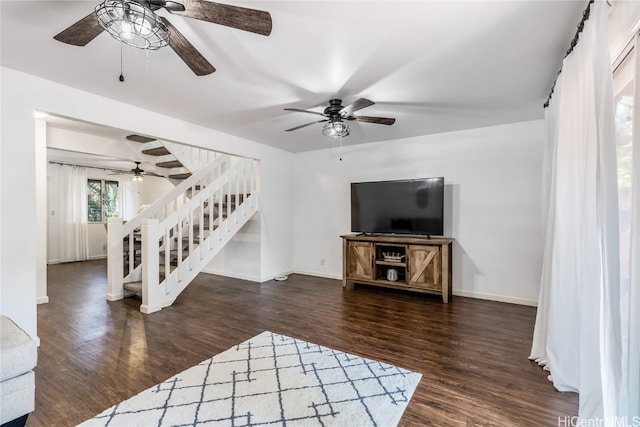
x=137, y=172
x=134, y=22
x=336, y=113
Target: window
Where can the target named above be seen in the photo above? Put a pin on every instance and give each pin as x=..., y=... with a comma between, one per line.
x=103, y=200
x=623, y=86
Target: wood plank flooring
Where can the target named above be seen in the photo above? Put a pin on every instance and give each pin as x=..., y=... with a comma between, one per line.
x=472, y=353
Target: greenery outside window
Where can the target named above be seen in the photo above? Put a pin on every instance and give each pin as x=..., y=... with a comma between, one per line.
x=103, y=200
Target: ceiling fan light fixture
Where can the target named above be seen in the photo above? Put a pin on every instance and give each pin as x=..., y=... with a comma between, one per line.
x=137, y=178
x=133, y=24
x=335, y=129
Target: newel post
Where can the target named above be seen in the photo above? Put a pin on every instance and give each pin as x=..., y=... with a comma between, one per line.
x=115, y=267
x=153, y=294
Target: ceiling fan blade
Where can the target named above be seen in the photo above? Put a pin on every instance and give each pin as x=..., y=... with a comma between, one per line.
x=189, y=54
x=304, y=111
x=359, y=104
x=378, y=120
x=82, y=32
x=305, y=125
x=151, y=174
x=252, y=20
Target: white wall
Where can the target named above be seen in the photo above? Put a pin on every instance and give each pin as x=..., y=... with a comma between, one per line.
x=247, y=242
x=65, y=139
x=492, y=207
x=22, y=94
x=153, y=188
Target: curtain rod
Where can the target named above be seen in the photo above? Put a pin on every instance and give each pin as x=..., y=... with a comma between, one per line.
x=86, y=166
x=574, y=42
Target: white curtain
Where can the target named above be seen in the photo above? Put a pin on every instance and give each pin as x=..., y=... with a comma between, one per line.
x=129, y=197
x=634, y=257
x=74, y=243
x=578, y=326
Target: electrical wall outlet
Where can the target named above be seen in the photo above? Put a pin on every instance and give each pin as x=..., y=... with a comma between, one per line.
x=322, y=261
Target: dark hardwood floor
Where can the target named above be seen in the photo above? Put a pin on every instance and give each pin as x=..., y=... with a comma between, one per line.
x=472, y=353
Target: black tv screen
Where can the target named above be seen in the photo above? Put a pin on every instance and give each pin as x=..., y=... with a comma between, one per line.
x=413, y=206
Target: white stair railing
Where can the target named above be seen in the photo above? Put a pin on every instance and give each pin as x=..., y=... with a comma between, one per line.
x=179, y=247
x=192, y=158
x=186, y=212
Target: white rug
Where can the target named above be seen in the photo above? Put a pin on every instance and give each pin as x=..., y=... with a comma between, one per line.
x=272, y=380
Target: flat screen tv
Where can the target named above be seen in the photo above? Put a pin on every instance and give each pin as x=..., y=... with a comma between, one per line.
x=413, y=206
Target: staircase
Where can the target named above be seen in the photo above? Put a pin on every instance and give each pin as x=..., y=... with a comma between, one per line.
x=173, y=161
x=170, y=242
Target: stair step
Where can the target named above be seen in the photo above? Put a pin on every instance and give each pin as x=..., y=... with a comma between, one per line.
x=196, y=240
x=159, y=151
x=180, y=175
x=140, y=138
x=134, y=287
x=170, y=164
x=233, y=198
x=136, y=246
x=224, y=212
x=173, y=254
x=163, y=269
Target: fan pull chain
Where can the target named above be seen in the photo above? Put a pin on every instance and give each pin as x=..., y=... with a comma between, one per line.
x=121, y=78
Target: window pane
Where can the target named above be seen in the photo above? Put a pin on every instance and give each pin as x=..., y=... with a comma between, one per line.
x=623, y=81
x=111, y=200
x=94, y=188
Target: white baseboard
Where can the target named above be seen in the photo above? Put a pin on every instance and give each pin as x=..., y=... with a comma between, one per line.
x=115, y=297
x=42, y=300
x=499, y=298
x=318, y=274
x=147, y=309
x=458, y=292
x=233, y=276
x=269, y=278
x=91, y=258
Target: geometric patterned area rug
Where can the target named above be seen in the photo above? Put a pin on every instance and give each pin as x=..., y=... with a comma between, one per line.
x=272, y=380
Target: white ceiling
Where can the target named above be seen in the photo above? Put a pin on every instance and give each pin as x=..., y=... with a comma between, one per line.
x=435, y=66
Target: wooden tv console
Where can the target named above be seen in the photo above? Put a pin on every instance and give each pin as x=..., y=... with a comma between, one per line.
x=421, y=264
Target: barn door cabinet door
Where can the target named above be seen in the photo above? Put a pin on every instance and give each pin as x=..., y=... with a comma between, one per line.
x=360, y=259
x=424, y=267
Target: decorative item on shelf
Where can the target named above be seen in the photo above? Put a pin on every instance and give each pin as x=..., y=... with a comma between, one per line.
x=393, y=257
x=392, y=275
